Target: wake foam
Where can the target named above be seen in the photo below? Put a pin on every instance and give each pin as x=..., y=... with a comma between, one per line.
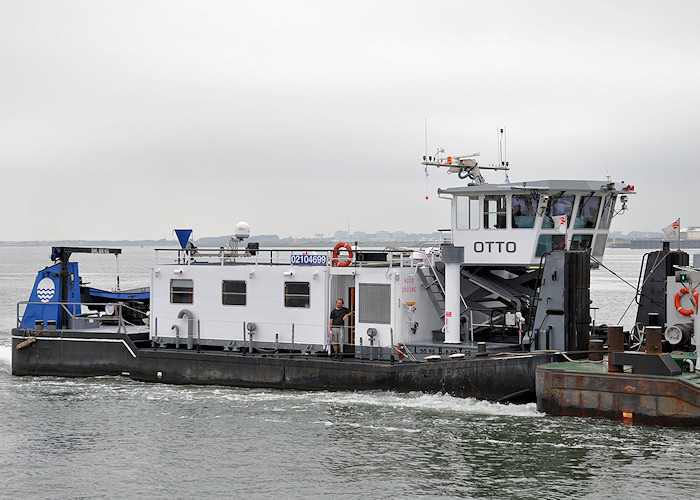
x=5, y=358
x=295, y=400
x=440, y=403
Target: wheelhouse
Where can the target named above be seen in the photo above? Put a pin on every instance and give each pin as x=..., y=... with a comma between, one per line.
x=516, y=224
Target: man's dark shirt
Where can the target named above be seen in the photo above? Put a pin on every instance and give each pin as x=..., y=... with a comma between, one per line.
x=337, y=316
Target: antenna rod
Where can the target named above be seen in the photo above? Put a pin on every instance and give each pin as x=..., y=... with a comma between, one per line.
x=426, y=139
x=498, y=138
x=426, y=157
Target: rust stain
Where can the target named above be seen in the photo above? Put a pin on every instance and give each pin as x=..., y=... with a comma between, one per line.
x=26, y=343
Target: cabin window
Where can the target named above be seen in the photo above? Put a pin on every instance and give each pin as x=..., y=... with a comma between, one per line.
x=297, y=294
x=181, y=291
x=558, y=206
x=608, y=211
x=467, y=212
x=494, y=211
x=599, y=248
x=524, y=209
x=587, y=213
x=375, y=303
x=233, y=293
x=581, y=241
x=549, y=242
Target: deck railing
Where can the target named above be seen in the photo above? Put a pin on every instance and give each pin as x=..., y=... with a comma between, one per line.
x=72, y=317
x=399, y=257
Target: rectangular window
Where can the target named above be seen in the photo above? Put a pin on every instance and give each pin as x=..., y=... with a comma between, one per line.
x=587, y=212
x=558, y=205
x=375, y=303
x=608, y=211
x=297, y=294
x=233, y=293
x=581, y=241
x=599, y=247
x=549, y=242
x=467, y=212
x=494, y=211
x=181, y=291
x=524, y=211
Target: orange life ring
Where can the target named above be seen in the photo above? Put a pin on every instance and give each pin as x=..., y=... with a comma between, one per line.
x=336, y=254
x=677, y=302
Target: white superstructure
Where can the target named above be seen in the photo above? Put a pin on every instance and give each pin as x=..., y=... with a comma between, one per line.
x=224, y=292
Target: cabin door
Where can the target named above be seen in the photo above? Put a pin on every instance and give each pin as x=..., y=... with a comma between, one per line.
x=351, y=319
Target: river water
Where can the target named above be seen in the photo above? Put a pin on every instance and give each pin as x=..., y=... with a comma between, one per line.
x=109, y=437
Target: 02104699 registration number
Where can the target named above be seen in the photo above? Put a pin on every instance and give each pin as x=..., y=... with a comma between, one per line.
x=313, y=260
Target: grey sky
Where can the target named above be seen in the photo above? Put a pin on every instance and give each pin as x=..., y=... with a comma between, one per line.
x=125, y=119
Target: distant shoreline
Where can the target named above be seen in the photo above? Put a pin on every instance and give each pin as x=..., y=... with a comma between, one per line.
x=652, y=244
x=640, y=243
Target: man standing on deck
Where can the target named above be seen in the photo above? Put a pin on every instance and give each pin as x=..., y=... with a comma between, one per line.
x=338, y=316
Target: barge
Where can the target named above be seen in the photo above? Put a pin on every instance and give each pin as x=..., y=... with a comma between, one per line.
x=504, y=290
x=649, y=375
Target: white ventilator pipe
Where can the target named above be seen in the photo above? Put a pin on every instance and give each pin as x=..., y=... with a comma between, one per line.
x=452, y=302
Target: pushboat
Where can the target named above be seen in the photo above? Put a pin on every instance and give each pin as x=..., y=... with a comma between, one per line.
x=505, y=290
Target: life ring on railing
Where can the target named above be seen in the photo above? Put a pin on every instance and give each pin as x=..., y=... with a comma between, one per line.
x=336, y=253
x=677, y=302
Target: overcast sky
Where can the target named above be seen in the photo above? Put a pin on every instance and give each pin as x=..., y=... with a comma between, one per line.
x=126, y=119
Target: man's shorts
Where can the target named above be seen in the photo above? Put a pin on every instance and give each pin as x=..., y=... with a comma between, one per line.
x=337, y=335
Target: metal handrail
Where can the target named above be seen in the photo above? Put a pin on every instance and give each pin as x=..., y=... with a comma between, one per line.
x=71, y=313
x=433, y=269
x=270, y=255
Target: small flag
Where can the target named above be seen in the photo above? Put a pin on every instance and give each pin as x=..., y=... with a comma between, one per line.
x=560, y=223
x=672, y=230
x=507, y=179
x=183, y=236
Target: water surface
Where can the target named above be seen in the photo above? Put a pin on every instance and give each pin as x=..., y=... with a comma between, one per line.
x=109, y=437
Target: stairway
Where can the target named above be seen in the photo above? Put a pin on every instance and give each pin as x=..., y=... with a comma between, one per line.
x=431, y=281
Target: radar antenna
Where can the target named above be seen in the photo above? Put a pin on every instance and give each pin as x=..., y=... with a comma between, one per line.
x=463, y=165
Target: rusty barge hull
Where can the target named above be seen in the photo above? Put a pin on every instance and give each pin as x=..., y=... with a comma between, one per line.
x=81, y=354
x=563, y=390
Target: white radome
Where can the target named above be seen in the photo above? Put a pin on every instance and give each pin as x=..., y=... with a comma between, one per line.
x=242, y=230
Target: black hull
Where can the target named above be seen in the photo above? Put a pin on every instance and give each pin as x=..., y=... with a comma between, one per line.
x=81, y=354
x=73, y=354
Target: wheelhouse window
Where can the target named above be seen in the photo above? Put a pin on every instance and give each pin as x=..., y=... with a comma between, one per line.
x=608, y=211
x=467, y=212
x=587, y=212
x=494, y=212
x=549, y=242
x=181, y=291
x=599, y=247
x=524, y=210
x=297, y=294
x=581, y=241
x=558, y=206
x=233, y=293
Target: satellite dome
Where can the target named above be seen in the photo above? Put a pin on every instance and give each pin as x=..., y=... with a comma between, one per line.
x=242, y=230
